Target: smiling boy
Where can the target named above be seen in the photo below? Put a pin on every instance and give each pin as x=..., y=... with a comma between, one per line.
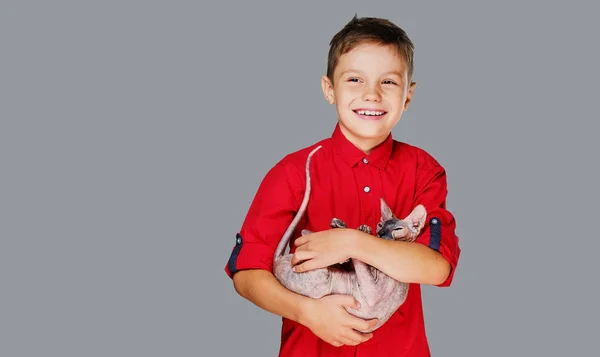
x=369, y=80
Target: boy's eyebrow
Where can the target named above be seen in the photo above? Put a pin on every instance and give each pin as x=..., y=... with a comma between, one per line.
x=398, y=73
x=351, y=70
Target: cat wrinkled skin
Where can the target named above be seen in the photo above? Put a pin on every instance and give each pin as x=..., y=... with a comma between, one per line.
x=378, y=294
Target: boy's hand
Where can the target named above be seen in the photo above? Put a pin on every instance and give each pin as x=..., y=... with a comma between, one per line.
x=322, y=249
x=327, y=318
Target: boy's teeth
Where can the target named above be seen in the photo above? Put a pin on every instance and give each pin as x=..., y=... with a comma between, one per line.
x=369, y=112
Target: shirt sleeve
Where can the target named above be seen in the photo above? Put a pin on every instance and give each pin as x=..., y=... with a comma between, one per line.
x=269, y=215
x=439, y=232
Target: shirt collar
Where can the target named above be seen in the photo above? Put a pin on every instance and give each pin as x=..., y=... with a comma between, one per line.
x=352, y=155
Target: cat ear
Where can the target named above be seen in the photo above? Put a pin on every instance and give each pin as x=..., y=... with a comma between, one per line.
x=386, y=211
x=417, y=218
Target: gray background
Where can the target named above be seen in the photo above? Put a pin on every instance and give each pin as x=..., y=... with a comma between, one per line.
x=133, y=136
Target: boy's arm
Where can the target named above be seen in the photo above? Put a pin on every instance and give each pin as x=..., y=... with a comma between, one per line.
x=251, y=261
x=250, y=264
x=260, y=287
x=403, y=261
x=433, y=260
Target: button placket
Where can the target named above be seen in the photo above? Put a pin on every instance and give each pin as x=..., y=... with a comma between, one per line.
x=367, y=181
x=366, y=188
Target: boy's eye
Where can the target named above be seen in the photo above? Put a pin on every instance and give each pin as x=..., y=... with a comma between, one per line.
x=389, y=82
x=353, y=80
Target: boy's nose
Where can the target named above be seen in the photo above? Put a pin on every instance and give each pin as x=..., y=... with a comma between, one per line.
x=372, y=94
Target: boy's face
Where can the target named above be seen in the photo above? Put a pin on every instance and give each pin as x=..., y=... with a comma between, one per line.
x=371, y=78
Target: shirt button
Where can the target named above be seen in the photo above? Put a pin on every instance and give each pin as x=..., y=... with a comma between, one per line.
x=367, y=189
x=365, y=160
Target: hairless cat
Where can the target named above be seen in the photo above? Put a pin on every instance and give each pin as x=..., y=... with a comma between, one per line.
x=378, y=294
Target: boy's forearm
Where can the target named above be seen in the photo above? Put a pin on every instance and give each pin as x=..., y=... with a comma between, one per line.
x=403, y=261
x=262, y=289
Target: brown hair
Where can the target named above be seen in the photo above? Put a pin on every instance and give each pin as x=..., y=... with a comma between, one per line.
x=369, y=29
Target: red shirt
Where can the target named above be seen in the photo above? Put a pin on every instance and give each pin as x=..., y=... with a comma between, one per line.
x=347, y=184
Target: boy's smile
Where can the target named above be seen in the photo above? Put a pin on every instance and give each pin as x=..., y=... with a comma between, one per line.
x=370, y=114
x=370, y=90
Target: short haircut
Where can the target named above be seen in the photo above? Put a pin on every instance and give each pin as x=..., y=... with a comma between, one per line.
x=373, y=30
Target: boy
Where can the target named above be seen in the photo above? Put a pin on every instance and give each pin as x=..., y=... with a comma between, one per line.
x=368, y=79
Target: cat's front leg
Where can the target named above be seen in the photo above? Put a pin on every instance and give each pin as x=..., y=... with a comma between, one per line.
x=365, y=228
x=337, y=223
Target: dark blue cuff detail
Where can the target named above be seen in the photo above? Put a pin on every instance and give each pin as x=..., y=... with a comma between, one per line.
x=231, y=264
x=435, y=234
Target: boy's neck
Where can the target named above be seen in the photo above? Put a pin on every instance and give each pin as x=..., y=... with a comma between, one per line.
x=364, y=145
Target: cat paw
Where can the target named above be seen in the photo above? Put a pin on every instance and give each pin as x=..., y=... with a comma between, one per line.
x=365, y=228
x=337, y=223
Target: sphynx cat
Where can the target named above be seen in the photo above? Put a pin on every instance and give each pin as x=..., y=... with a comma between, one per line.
x=378, y=294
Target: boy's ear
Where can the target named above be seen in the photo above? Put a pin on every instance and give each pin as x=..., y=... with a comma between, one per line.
x=327, y=87
x=411, y=90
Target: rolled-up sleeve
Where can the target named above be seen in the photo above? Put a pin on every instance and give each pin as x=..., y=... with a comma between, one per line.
x=439, y=232
x=269, y=215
